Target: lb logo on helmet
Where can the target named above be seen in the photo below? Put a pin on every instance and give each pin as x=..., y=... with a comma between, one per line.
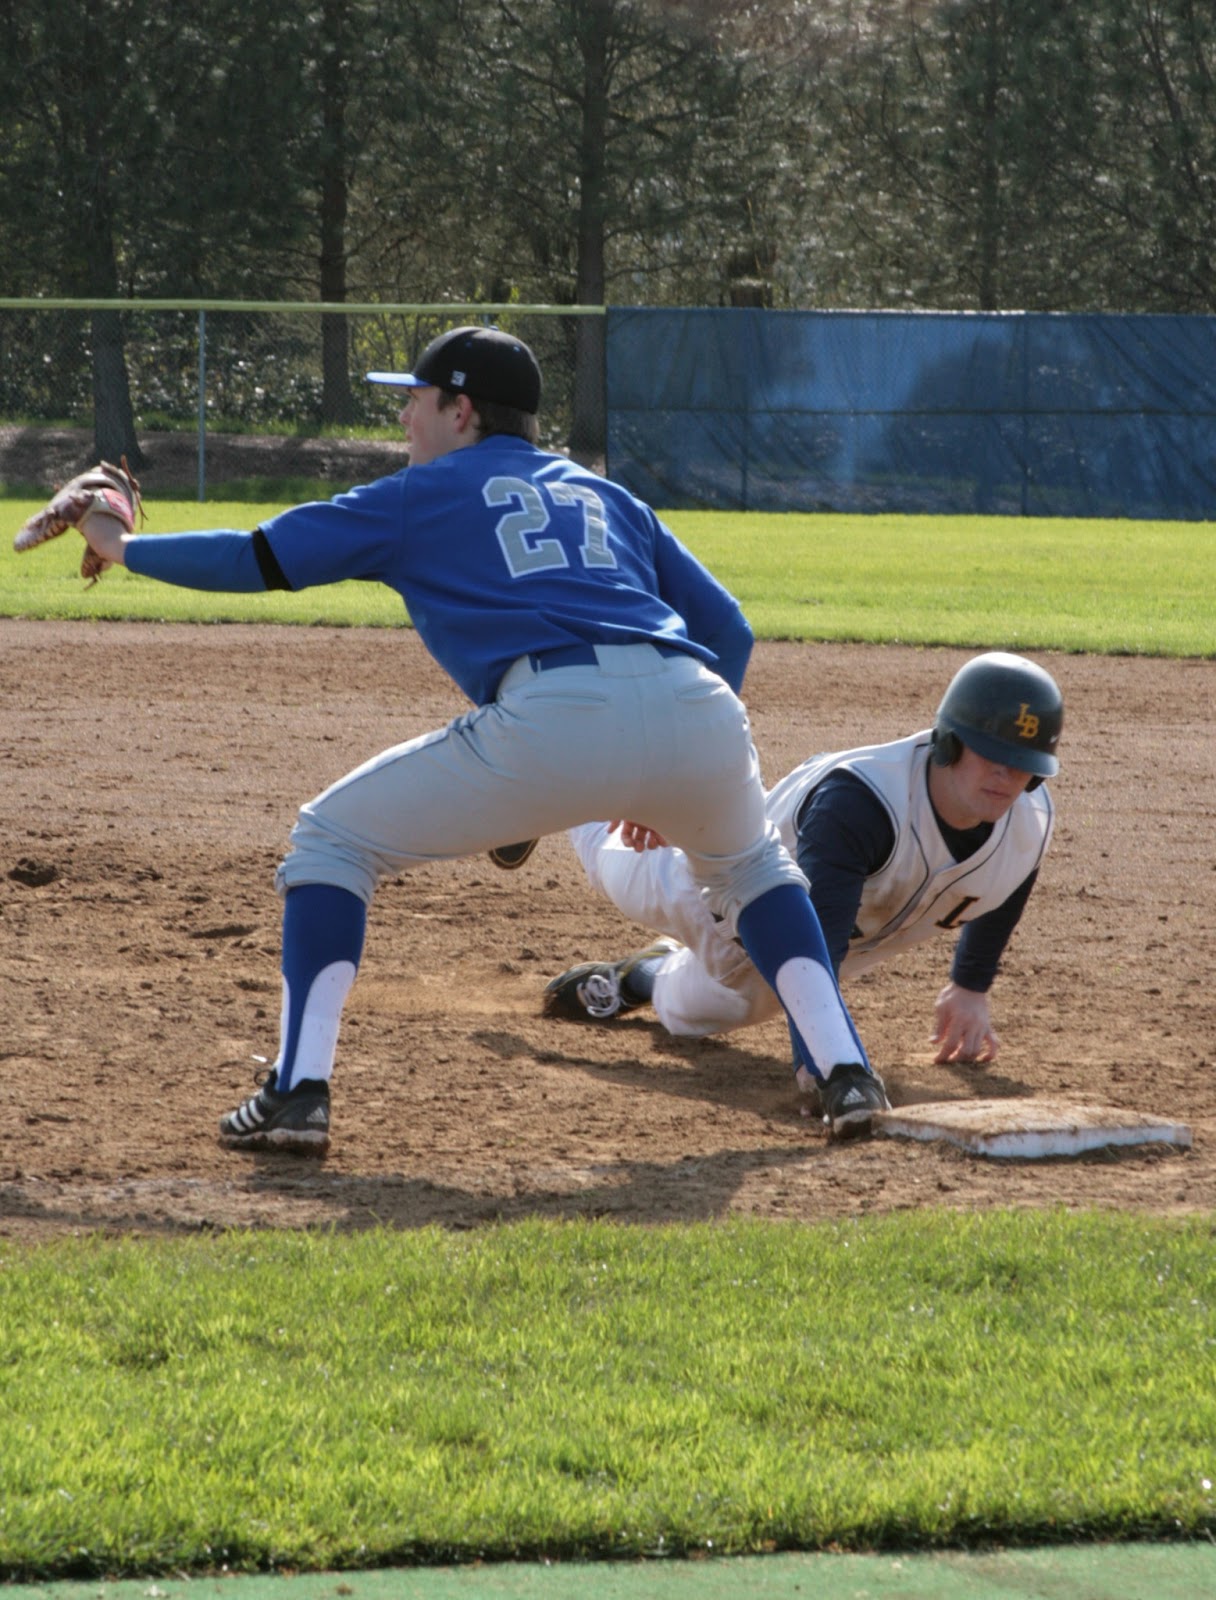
x=978, y=712
x=1026, y=722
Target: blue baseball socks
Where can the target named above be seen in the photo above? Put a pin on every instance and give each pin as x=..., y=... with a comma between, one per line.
x=781, y=934
x=323, y=929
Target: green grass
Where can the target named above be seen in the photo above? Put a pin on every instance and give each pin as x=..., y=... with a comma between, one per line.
x=319, y=1400
x=1020, y=583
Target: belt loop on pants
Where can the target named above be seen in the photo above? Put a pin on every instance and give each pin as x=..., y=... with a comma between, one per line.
x=566, y=655
x=583, y=655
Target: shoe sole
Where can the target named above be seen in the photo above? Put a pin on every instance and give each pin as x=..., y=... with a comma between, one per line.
x=574, y=1011
x=510, y=857
x=286, y=1141
x=853, y=1125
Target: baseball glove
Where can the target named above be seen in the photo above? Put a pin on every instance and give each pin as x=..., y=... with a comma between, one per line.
x=104, y=487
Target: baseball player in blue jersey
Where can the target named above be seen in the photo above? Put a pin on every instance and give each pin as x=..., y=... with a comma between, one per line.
x=943, y=830
x=603, y=662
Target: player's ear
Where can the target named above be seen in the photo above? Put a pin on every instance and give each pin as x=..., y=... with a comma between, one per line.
x=947, y=747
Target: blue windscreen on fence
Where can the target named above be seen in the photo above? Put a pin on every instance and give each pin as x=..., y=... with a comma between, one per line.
x=1037, y=414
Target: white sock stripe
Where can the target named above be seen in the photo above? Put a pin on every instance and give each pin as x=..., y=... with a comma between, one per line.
x=317, y=1041
x=809, y=994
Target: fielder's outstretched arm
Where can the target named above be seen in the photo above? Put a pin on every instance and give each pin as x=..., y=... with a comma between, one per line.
x=223, y=560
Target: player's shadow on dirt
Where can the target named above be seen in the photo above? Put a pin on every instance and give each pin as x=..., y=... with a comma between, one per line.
x=686, y=1189
x=970, y=1081
x=689, y=1189
x=654, y=1061
x=722, y=1073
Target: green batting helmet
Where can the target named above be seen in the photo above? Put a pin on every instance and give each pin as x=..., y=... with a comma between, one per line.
x=1006, y=709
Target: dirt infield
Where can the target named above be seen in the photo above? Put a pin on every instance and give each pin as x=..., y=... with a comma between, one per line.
x=152, y=774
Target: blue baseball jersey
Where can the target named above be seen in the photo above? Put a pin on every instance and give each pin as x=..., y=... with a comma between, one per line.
x=498, y=550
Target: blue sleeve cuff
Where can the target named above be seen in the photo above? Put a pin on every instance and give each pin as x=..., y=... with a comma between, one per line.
x=223, y=561
x=732, y=644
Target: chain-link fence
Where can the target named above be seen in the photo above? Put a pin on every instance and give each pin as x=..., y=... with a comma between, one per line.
x=204, y=396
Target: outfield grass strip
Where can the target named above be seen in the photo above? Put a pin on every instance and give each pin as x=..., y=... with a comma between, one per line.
x=263, y=1401
x=1144, y=588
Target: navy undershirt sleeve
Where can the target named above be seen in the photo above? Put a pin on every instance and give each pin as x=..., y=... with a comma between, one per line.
x=981, y=944
x=844, y=834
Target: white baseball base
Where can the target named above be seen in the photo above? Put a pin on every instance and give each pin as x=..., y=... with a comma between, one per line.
x=1029, y=1129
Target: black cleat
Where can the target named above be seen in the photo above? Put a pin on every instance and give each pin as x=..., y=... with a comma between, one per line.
x=510, y=856
x=593, y=992
x=851, y=1095
x=297, y=1121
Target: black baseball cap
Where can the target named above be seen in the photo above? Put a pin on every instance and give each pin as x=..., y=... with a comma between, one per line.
x=484, y=363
